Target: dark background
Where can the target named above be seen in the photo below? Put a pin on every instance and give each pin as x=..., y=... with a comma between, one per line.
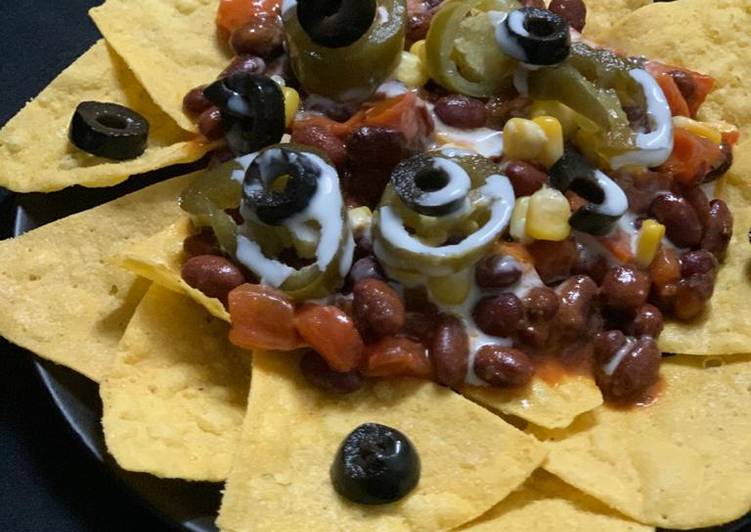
x=48, y=480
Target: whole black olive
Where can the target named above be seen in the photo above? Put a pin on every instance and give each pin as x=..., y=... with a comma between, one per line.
x=336, y=23
x=534, y=36
x=434, y=186
x=302, y=170
x=109, y=130
x=252, y=108
x=375, y=464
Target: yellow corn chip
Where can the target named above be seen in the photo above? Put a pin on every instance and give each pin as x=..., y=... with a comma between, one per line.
x=470, y=458
x=175, y=398
x=36, y=156
x=682, y=462
x=170, y=45
x=550, y=406
x=603, y=14
x=160, y=258
x=546, y=504
x=61, y=300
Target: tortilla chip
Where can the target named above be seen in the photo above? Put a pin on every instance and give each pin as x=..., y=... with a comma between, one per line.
x=175, y=398
x=60, y=298
x=546, y=504
x=36, y=156
x=604, y=14
x=682, y=462
x=159, y=258
x=547, y=405
x=172, y=46
x=470, y=458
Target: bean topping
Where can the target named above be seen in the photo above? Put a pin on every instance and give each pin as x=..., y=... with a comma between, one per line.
x=553, y=260
x=501, y=111
x=696, y=197
x=210, y=123
x=525, y=177
x=719, y=171
x=310, y=134
x=718, y=230
x=195, y=102
x=377, y=308
x=635, y=373
x=625, y=288
x=497, y=271
x=647, y=322
x=573, y=11
x=318, y=373
x=607, y=343
x=379, y=146
x=450, y=351
x=692, y=294
x=681, y=222
x=534, y=334
x=203, y=243
x=577, y=295
x=396, y=356
x=244, y=63
x=212, y=275
x=366, y=268
x=541, y=303
x=262, y=37
x=503, y=366
x=699, y=261
x=499, y=315
x=460, y=111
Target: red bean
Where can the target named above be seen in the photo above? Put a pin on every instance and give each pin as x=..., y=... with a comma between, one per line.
x=699, y=261
x=577, y=295
x=681, y=222
x=262, y=37
x=366, y=268
x=503, y=366
x=377, y=308
x=378, y=146
x=318, y=373
x=696, y=197
x=319, y=137
x=419, y=326
x=195, y=102
x=210, y=123
x=691, y=296
x=449, y=351
x=607, y=344
x=553, y=260
x=500, y=315
x=641, y=188
x=637, y=371
x=461, y=112
x=501, y=111
x=244, y=63
x=541, y=304
x=573, y=11
x=718, y=230
x=497, y=271
x=212, y=275
x=540, y=4
x=525, y=177
x=625, y=288
x=203, y=243
x=534, y=334
x=647, y=322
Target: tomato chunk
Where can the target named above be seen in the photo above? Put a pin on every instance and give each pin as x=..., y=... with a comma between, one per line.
x=397, y=357
x=233, y=14
x=696, y=87
x=332, y=334
x=262, y=318
x=692, y=158
x=402, y=113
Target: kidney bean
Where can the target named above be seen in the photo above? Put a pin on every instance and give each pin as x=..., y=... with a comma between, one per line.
x=319, y=137
x=696, y=197
x=363, y=185
x=641, y=188
x=449, y=351
x=212, y=275
x=681, y=222
x=210, y=123
x=419, y=16
x=647, y=322
x=195, y=102
x=499, y=315
x=541, y=304
x=318, y=373
x=577, y=295
x=461, y=111
x=692, y=294
x=497, y=271
x=637, y=371
x=727, y=162
x=500, y=111
x=203, y=243
x=377, y=307
x=503, y=366
x=534, y=334
x=244, y=63
x=590, y=263
x=573, y=11
x=366, y=268
x=553, y=260
x=699, y=261
x=263, y=37
x=419, y=326
x=718, y=230
x=379, y=146
x=625, y=288
x=525, y=177
x=607, y=343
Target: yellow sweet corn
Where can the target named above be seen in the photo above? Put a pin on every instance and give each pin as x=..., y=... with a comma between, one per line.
x=451, y=289
x=565, y=115
x=547, y=215
x=418, y=48
x=700, y=129
x=412, y=71
x=291, y=104
x=650, y=238
x=518, y=225
x=553, y=149
x=359, y=218
x=523, y=139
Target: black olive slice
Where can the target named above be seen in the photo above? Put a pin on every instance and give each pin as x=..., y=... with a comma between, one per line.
x=574, y=172
x=434, y=186
x=534, y=36
x=301, y=171
x=252, y=108
x=336, y=23
x=375, y=464
x=109, y=130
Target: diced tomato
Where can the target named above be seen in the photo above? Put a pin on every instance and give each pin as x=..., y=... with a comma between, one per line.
x=676, y=101
x=262, y=318
x=619, y=244
x=692, y=157
x=397, y=357
x=233, y=14
x=731, y=137
x=516, y=249
x=332, y=334
x=403, y=113
x=575, y=201
x=680, y=103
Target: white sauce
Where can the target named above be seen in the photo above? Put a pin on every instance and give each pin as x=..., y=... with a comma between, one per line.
x=506, y=39
x=288, y=5
x=616, y=202
x=455, y=189
x=654, y=147
x=521, y=80
x=272, y=272
x=482, y=141
x=614, y=362
x=391, y=89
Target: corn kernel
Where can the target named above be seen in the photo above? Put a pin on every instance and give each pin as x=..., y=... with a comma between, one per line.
x=650, y=238
x=291, y=104
x=518, y=225
x=418, y=48
x=565, y=115
x=554, y=133
x=700, y=129
x=451, y=289
x=412, y=71
x=547, y=215
x=360, y=219
x=523, y=139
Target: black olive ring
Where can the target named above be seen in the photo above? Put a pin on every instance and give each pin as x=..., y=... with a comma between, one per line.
x=433, y=186
x=336, y=23
x=273, y=207
x=109, y=130
x=534, y=36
